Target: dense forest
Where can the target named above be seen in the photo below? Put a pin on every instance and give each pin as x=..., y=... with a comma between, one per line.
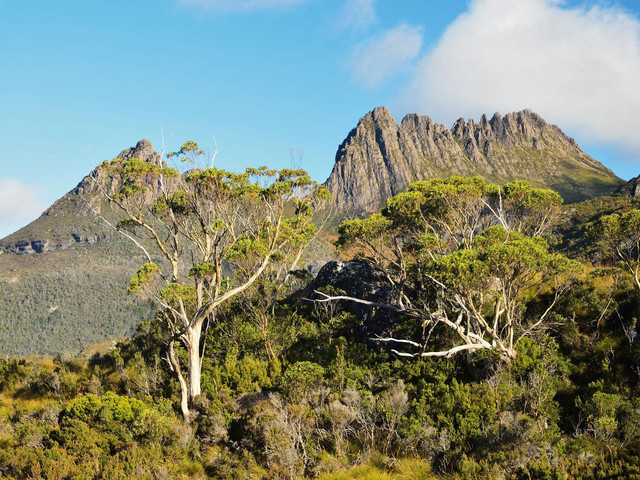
x=470, y=332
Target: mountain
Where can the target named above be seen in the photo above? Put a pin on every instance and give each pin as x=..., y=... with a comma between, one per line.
x=380, y=158
x=63, y=277
x=70, y=221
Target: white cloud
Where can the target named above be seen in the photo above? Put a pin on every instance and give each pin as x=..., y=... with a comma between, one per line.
x=19, y=202
x=378, y=59
x=357, y=14
x=235, y=5
x=577, y=67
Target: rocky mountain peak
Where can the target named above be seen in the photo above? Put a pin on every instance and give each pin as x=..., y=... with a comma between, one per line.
x=525, y=123
x=144, y=151
x=415, y=122
x=51, y=232
x=381, y=114
x=379, y=158
x=379, y=118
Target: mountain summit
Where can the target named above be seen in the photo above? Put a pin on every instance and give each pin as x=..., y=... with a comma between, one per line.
x=380, y=158
x=70, y=219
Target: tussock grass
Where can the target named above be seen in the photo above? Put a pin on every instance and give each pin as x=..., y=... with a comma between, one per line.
x=405, y=469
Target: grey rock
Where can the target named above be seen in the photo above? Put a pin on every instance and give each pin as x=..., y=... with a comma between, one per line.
x=359, y=280
x=143, y=150
x=629, y=189
x=27, y=247
x=88, y=237
x=380, y=158
x=314, y=267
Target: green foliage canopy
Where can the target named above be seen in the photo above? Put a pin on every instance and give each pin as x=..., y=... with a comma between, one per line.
x=619, y=237
x=461, y=248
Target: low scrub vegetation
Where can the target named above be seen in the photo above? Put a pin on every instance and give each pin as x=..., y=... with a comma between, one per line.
x=296, y=385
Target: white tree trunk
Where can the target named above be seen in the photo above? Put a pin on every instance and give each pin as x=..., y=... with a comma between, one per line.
x=194, y=334
x=184, y=391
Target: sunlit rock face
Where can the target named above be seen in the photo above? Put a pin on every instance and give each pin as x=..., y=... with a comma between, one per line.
x=380, y=158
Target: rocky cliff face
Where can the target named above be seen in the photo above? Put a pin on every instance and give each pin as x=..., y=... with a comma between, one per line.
x=380, y=158
x=143, y=150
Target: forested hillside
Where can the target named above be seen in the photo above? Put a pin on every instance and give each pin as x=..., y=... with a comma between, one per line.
x=468, y=338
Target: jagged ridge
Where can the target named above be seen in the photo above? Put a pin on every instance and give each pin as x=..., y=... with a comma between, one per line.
x=379, y=158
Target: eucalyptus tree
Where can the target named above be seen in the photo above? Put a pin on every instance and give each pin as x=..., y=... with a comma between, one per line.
x=208, y=235
x=464, y=255
x=619, y=236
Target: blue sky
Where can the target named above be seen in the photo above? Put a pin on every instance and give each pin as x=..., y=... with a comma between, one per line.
x=80, y=81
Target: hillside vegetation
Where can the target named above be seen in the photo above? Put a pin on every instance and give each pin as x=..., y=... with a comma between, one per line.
x=363, y=377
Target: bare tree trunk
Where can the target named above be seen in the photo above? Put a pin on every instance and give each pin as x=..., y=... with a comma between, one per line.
x=194, y=334
x=184, y=392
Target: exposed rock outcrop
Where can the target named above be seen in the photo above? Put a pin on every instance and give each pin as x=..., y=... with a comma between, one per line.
x=359, y=280
x=380, y=158
x=631, y=188
x=143, y=150
x=27, y=247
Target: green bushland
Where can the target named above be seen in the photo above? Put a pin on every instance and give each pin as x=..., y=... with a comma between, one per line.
x=67, y=299
x=306, y=395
